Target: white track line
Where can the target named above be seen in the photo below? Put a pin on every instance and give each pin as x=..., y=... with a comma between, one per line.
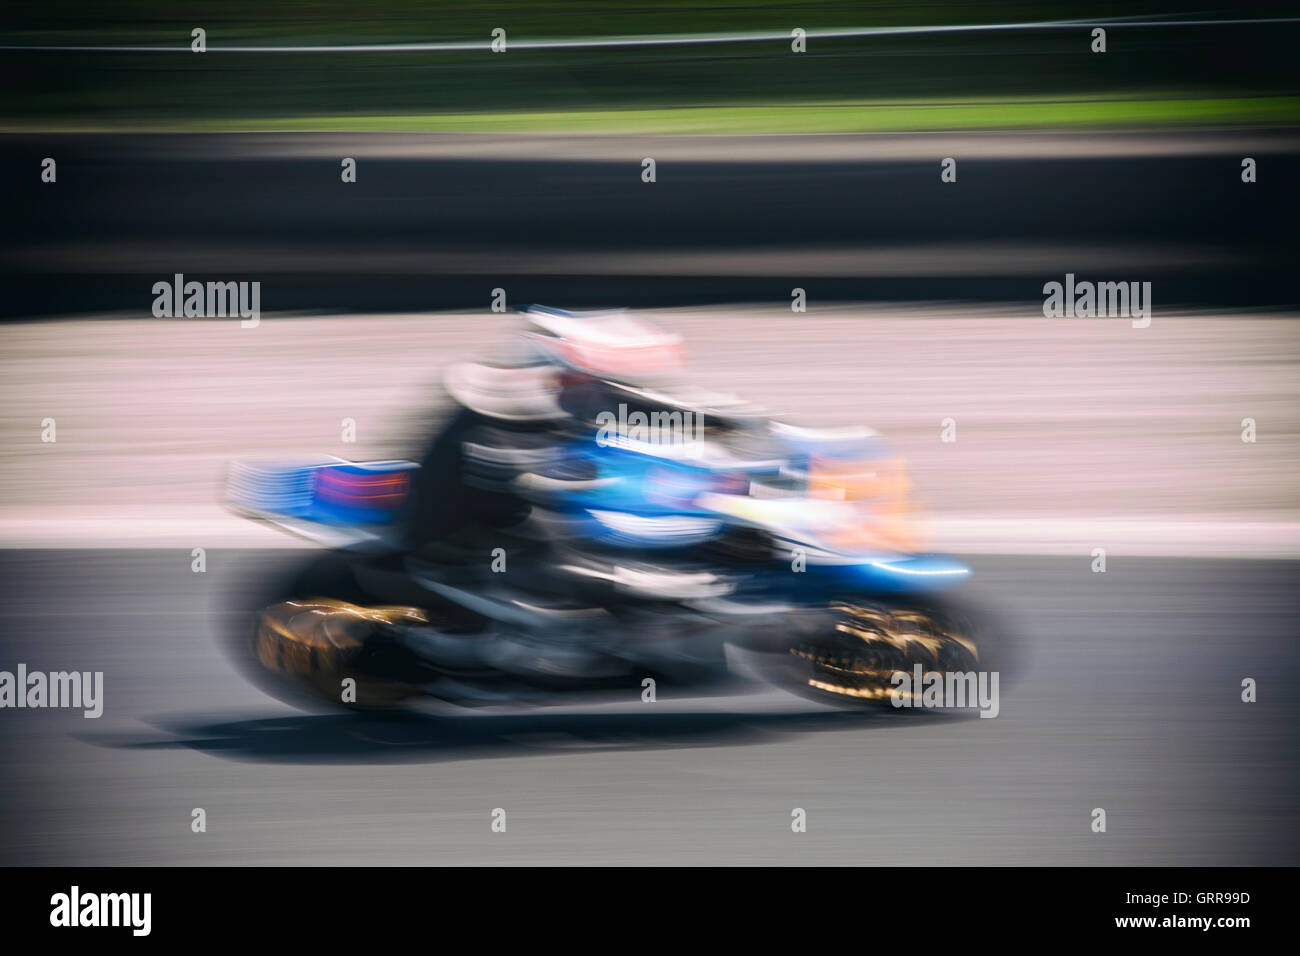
x=1137, y=536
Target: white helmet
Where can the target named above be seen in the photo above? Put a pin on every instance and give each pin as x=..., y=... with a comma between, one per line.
x=611, y=345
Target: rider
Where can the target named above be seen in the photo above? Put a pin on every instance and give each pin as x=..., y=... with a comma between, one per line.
x=516, y=411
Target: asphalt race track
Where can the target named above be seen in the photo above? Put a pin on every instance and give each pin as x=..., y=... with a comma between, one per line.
x=1130, y=701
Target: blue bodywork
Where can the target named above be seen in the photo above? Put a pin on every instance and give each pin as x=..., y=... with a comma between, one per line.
x=640, y=501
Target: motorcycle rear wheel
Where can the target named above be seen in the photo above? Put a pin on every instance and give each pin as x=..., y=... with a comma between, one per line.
x=302, y=637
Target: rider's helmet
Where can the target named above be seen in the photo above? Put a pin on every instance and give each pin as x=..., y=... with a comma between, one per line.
x=564, y=361
x=611, y=345
x=613, y=359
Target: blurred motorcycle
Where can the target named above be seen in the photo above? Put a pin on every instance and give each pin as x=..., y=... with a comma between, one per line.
x=580, y=525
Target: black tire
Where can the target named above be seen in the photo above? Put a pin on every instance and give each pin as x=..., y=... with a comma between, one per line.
x=279, y=659
x=848, y=653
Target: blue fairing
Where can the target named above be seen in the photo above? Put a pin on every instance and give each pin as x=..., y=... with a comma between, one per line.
x=651, y=503
x=641, y=485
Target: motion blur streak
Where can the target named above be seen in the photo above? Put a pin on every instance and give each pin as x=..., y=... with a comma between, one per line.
x=582, y=43
x=438, y=221
x=1067, y=429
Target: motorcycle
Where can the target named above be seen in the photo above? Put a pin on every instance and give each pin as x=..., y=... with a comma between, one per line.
x=644, y=550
